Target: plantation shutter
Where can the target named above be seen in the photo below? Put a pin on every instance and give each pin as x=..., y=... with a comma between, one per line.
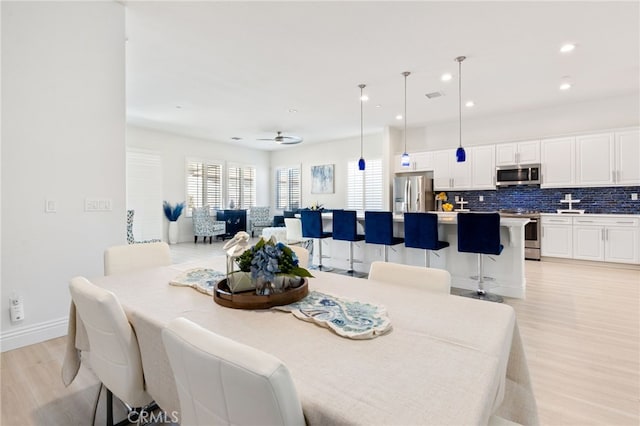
x=204, y=185
x=288, y=188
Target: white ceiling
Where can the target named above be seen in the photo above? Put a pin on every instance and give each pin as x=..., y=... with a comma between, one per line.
x=216, y=70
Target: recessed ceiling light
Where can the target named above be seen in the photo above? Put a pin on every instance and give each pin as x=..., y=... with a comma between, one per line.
x=446, y=77
x=469, y=104
x=178, y=106
x=399, y=117
x=236, y=138
x=293, y=111
x=567, y=47
x=378, y=106
x=364, y=98
x=565, y=86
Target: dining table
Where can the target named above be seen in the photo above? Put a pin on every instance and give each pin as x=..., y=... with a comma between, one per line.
x=447, y=360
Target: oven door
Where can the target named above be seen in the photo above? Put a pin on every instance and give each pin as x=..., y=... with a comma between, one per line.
x=532, y=233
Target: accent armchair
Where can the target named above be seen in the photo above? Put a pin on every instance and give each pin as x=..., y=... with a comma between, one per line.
x=260, y=218
x=205, y=226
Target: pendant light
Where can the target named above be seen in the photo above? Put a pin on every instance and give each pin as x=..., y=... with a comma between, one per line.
x=361, y=162
x=461, y=155
x=405, y=161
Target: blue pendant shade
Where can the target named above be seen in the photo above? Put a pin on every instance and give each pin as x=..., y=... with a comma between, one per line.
x=405, y=161
x=461, y=156
x=361, y=162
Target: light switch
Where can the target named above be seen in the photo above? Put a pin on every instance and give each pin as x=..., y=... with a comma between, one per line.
x=481, y=198
x=634, y=196
x=50, y=206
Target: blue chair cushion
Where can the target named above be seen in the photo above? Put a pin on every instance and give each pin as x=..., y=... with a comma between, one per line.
x=312, y=224
x=421, y=231
x=379, y=229
x=345, y=226
x=479, y=233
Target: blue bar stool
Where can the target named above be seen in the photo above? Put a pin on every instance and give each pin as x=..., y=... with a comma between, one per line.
x=480, y=233
x=312, y=228
x=345, y=226
x=378, y=229
x=421, y=231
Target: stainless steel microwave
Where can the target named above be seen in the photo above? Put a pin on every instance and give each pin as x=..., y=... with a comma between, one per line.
x=523, y=174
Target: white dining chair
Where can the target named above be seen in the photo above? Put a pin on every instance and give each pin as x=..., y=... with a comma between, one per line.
x=303, y=255
x=436, y=280
x=131, y=257
x=221, y=381
x=114, y=354
x=293, y=226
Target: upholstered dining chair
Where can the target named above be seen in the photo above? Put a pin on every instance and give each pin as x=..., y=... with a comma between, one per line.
x=260, y=218
x=221, y=381
x=436, y=280
x=302, y=254
x=127, y=258
x=114, y=354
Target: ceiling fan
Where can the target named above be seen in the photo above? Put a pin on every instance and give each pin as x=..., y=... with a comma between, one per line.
x=284, y=140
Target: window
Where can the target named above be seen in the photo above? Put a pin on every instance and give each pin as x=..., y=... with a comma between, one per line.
x=288, y=188
x=364, y=188
x=204, y=185
x=241, y=186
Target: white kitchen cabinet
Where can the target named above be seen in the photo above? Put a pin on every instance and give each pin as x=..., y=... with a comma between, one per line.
x=627, y=157
x=588, y=240
x=442, y=174
x=418, y=162
x=483, y=167
x=608, y=238
x=557, y=237
x=558, y=162
x=461, y=172
x=525, y=152
x=595, y=160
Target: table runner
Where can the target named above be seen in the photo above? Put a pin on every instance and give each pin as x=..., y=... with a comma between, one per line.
x=347, y=318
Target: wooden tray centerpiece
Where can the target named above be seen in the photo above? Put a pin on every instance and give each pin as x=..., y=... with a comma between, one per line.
x=250, y=300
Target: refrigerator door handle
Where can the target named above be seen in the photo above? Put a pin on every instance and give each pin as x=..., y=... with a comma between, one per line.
x=407, y=183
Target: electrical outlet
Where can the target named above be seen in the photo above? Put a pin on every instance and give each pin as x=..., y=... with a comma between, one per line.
x=634, y=196
x=16, y=309
x=481, y=198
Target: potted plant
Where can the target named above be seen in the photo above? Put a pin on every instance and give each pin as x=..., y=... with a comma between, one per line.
x=172, y=214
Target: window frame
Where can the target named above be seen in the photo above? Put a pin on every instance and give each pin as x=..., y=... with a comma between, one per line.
x=205, y=163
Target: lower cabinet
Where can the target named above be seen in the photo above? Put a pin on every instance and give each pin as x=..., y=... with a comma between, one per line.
x=235, y=220
x=557, y=237
x=603, y=239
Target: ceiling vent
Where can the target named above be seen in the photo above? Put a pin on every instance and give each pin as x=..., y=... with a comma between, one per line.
x=433, y=95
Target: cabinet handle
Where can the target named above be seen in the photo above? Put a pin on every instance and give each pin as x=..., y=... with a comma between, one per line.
x=625, y=222
x=613, y=176
x=517, y=157
x=603, y=235
x=606, y=235
x=556, y=220
x=584, y=221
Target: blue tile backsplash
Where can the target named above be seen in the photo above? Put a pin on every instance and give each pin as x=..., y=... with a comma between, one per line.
x=606, y=200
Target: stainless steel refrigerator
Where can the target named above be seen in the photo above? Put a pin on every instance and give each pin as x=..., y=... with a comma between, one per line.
x=413, y=192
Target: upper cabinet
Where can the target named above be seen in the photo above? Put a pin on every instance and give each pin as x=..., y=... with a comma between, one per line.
x=558, y=162
x=477, y=172
x=526, y=152
x=627, y=157
x=418, y=162
x=602, y=159
x=594, y=160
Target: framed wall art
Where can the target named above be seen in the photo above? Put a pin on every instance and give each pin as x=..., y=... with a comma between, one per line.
x=322, y=179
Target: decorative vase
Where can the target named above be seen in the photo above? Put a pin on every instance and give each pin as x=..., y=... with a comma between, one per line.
x=263, y=287
x=173, y=232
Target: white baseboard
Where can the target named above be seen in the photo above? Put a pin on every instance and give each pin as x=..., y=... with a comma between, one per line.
x=32, y=334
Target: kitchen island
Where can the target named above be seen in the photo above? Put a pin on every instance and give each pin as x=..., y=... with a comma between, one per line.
x=507, y=269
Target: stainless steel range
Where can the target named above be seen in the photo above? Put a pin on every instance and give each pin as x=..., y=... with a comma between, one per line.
x=531, y=231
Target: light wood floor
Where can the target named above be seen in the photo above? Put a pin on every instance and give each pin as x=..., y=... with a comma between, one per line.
x=580, y=326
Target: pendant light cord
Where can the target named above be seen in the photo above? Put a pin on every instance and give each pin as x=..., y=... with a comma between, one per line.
x=362, y=86
x=460, y=101
x=406, y=74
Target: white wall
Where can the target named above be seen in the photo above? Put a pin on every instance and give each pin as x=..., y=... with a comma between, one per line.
x=63, y=134
x=174, y=149
x=620, y=111
x=338, y=152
